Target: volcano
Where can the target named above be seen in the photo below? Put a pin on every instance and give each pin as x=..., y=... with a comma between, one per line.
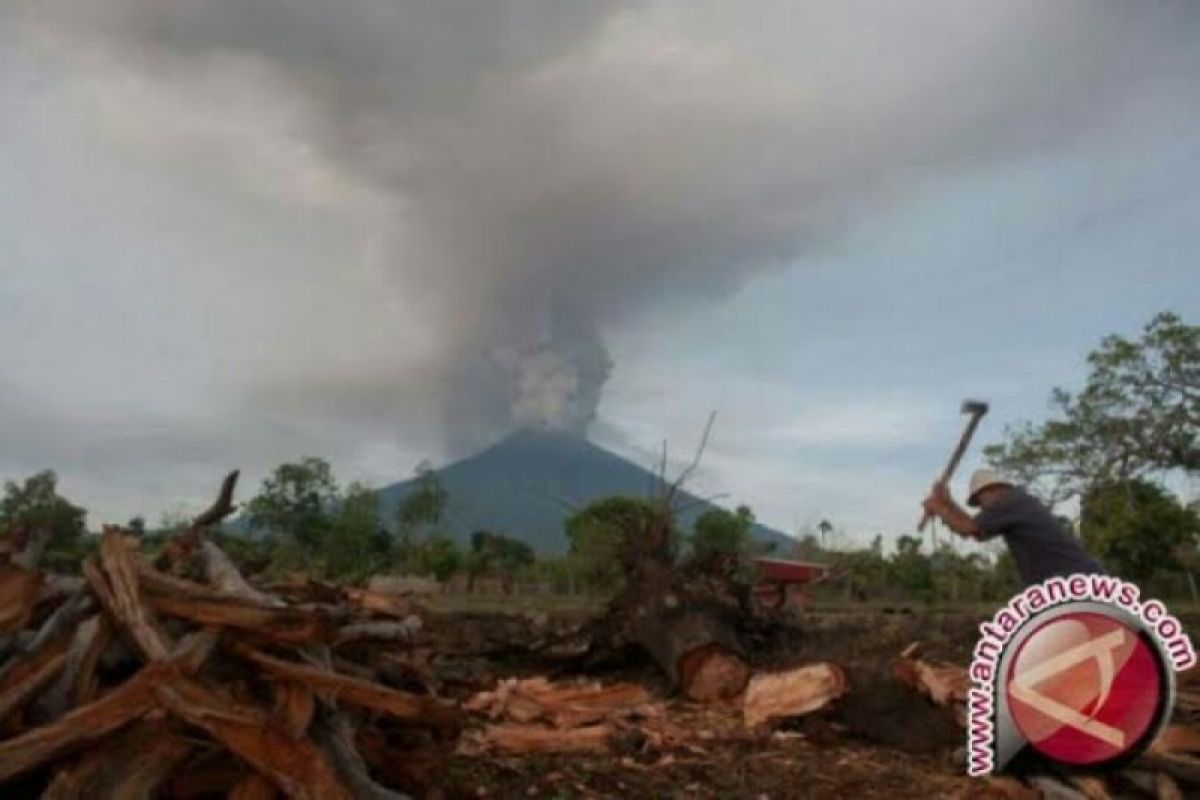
x=525, y=485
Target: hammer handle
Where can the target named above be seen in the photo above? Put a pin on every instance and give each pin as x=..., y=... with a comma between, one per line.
x=955, y=457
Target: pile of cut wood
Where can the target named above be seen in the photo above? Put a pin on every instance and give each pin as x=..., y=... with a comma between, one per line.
x=178, y=677
x=1169, y=769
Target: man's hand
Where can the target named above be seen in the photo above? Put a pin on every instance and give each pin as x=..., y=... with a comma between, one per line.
x=941, y=504
x=939, y=501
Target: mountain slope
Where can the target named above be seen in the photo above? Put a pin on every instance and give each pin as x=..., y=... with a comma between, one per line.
x=523, y=485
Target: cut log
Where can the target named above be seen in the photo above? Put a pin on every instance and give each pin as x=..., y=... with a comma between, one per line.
x=698, y=651
x=561, y=705
x=944, y=684
x=792, y=693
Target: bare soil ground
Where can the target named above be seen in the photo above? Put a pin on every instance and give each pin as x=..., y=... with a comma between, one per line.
x=880, y=741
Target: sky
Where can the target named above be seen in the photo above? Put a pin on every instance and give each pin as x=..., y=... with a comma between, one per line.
x=233, y=234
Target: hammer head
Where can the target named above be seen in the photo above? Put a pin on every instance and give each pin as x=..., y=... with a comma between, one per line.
x=976, y=408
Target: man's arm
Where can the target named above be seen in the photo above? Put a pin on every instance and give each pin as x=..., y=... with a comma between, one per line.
x=941, y=505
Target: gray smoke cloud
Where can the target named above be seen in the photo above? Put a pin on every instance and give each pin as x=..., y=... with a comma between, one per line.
x=528, y=174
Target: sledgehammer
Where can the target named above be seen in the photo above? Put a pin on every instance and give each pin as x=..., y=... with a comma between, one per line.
x=976, y=408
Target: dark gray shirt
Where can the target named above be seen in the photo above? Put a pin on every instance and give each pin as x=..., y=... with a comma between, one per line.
x=1039, y=544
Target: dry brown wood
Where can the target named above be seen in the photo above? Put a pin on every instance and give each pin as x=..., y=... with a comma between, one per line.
x=31, y=681
x=1184, y=769
x=1092, y=786
x=695, y=648
x=1054, y=789
x=61, y=623
x=402, y=705
x=102, y=717
x=516, y=738
x=1009, y=788
x=254, y=787
x=221, y=572
x=563, y=705
x=336, y=736
x=382, y=603
x=115, y=583
x=294, y=765
x=77, y=683
x=399, y=766
x=1176, y=739
x=294, y=704
x=20, y=590
x=286, y=625
x=405, y=631
x=222, y=507
x=131, y=768
x=1165, y=787
x=792, y=693
x=31, y=550
x=944, y=684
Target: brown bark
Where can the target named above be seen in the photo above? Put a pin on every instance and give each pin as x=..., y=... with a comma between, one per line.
x=24, y=684
x=254, y=787
x=19, y=593
x=110, y=713
x=198, y=603
x=402, y=705
x=697, y=650
x=293, y=764
x=131, y=768
x=114, y=582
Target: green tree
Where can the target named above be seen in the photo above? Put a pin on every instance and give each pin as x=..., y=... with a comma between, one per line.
x=1136, y=528
x=136, y=525
x=295, y=501
x=604, y=531
x=1137, y=415
x=422, y=509
x=36, y=504
x=36, y=512
x=440, y=557
x=354, y=548
x=719, y=535
x=497, y=554
x=910, y=569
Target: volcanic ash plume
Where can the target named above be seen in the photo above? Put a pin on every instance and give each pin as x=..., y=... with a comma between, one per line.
x=589, y=162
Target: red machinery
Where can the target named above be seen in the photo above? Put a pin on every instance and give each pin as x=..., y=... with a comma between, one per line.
x=781, y=581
